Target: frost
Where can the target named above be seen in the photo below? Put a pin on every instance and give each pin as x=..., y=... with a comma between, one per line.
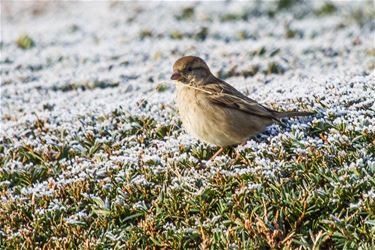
x=83, y=112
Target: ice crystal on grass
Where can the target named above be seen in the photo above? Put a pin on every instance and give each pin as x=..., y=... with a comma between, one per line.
x=91, y=144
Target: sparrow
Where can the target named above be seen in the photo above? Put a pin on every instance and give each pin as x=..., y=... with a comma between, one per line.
x=214, y=111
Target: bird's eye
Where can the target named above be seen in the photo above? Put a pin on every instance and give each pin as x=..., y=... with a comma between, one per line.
x=190, y=69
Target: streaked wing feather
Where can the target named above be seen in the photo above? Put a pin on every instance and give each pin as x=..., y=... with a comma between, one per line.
x=225, y=95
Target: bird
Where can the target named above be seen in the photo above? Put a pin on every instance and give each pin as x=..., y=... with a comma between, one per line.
x=214, y=111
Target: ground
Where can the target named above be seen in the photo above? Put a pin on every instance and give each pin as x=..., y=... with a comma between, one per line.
x=92, y=150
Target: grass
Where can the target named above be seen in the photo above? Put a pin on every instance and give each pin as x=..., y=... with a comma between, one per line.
x=291, y=192
x=130, y=178
x=25, y=42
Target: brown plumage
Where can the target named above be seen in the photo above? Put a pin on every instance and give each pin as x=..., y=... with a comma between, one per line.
x=214, y=111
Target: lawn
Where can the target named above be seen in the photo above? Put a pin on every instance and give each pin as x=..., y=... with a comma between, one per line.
x=93, y=154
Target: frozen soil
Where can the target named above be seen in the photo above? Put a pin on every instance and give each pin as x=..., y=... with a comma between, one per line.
x=92, y=150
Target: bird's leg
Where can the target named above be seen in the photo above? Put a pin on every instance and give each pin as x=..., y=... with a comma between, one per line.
x=217, y=153
x=238, y=155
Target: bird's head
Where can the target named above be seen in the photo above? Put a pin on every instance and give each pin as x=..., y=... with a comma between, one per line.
x=190, y=70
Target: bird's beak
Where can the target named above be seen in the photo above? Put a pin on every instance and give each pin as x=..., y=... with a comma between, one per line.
x=176, y=76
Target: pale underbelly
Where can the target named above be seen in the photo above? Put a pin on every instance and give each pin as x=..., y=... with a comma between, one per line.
x=215, y=124
x=210, y=125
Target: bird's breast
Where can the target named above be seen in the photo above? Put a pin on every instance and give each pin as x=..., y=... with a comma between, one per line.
x=191, y=110
x=202, y=119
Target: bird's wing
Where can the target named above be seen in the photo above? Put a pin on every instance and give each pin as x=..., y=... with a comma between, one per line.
x=223, y=94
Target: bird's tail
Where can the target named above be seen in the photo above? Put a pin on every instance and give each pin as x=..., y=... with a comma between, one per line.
x=292, y=113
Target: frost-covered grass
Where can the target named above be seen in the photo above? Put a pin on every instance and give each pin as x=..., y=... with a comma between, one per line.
x=92, y=150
